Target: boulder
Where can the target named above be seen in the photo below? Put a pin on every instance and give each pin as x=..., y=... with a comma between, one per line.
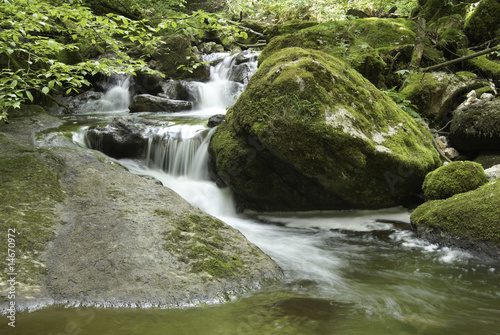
x=482, y=24
x=476, y=127
x=180, y=90
x=123, y=137
x=154, y=104
x=448, y=34
x=437, y=94
x=453, y=178
x=469, y=220
x=488, y=159
x=309, y=132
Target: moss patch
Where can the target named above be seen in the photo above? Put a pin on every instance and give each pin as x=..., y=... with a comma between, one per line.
x=362, y=43
x=472, y=215
x=29, y=193
x=199, y=241
x=454, y=178
x=482, y=23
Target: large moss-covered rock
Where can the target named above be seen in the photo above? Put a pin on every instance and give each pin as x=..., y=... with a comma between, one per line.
x=469, y=220
x=482, y=24
x=448, y=34
x=437, y=94
x=454, y=178
x=365, y=44
x=309, y=132
x=476, y=127
x=434, y=9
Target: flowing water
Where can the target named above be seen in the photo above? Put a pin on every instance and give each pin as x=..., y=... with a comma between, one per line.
x=346, y=272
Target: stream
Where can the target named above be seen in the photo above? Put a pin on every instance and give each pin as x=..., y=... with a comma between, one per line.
x=345, y=272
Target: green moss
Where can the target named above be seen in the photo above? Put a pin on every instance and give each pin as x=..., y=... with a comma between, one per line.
x=454, y=178
x=482, y=23
x=29, y=193
x=486, y=67
x=175, y=54
x=435, y=9
x=199, y=240
x=361, y=43
x=162, y=212
x=26, y=111
x=472, y=215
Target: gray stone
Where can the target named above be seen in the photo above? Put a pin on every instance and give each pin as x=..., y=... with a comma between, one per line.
x=493, y=172
x=123, y=137
x=119, y=240
x=216, y=120
x=476, y=127
x=154, y=104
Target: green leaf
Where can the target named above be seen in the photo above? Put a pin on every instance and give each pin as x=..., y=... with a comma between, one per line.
x=45, y=90
x=28, y=94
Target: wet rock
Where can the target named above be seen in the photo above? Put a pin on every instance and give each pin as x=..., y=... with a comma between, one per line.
x=476, y=127
x=488, y=159
x=147, y=83
x=154, y=104
x=177, y=90
x=123, y=137
x=111, y=238
x=469, y=220
x=216, y=120
x=310, y=133
x=245, y=57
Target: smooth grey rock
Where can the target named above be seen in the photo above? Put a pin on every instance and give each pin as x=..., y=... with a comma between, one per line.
x=154, y=104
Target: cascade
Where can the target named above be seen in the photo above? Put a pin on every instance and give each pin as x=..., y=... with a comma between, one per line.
x=181, y=149
x=116, y=98
x=228, y=80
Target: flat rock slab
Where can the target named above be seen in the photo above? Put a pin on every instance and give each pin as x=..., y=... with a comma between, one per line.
x=121, y=240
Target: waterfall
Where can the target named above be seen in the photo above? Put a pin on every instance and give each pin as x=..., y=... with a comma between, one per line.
x=228, y=80
x=180, y=150
x=116, y=98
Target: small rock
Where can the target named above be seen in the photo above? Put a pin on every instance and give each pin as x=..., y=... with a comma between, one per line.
x=451, y=153
x=216, y=120
x=493, y=172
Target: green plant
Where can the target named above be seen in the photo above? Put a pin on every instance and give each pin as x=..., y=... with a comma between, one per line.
x=403, y=103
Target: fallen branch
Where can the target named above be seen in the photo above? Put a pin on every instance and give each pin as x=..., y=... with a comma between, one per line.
x=461, y=59
x=257, y=45
x=245, y=28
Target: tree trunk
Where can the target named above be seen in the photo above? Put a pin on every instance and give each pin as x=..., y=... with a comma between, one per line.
x=416, y=57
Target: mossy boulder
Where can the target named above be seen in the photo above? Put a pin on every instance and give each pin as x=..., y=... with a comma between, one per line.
x=309, y=132
x=362, y=43
x=470, y=220
x=448, y=33
x=476, y=127
x=437, y=94
x=482, y=24
x=175, y=55
x=434, y=9
x=454, y=178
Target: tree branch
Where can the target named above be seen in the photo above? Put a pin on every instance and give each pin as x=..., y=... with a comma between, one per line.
x=461, y=59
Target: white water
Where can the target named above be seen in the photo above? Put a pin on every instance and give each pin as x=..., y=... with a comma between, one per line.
x=115, y=100
x=358, y=258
